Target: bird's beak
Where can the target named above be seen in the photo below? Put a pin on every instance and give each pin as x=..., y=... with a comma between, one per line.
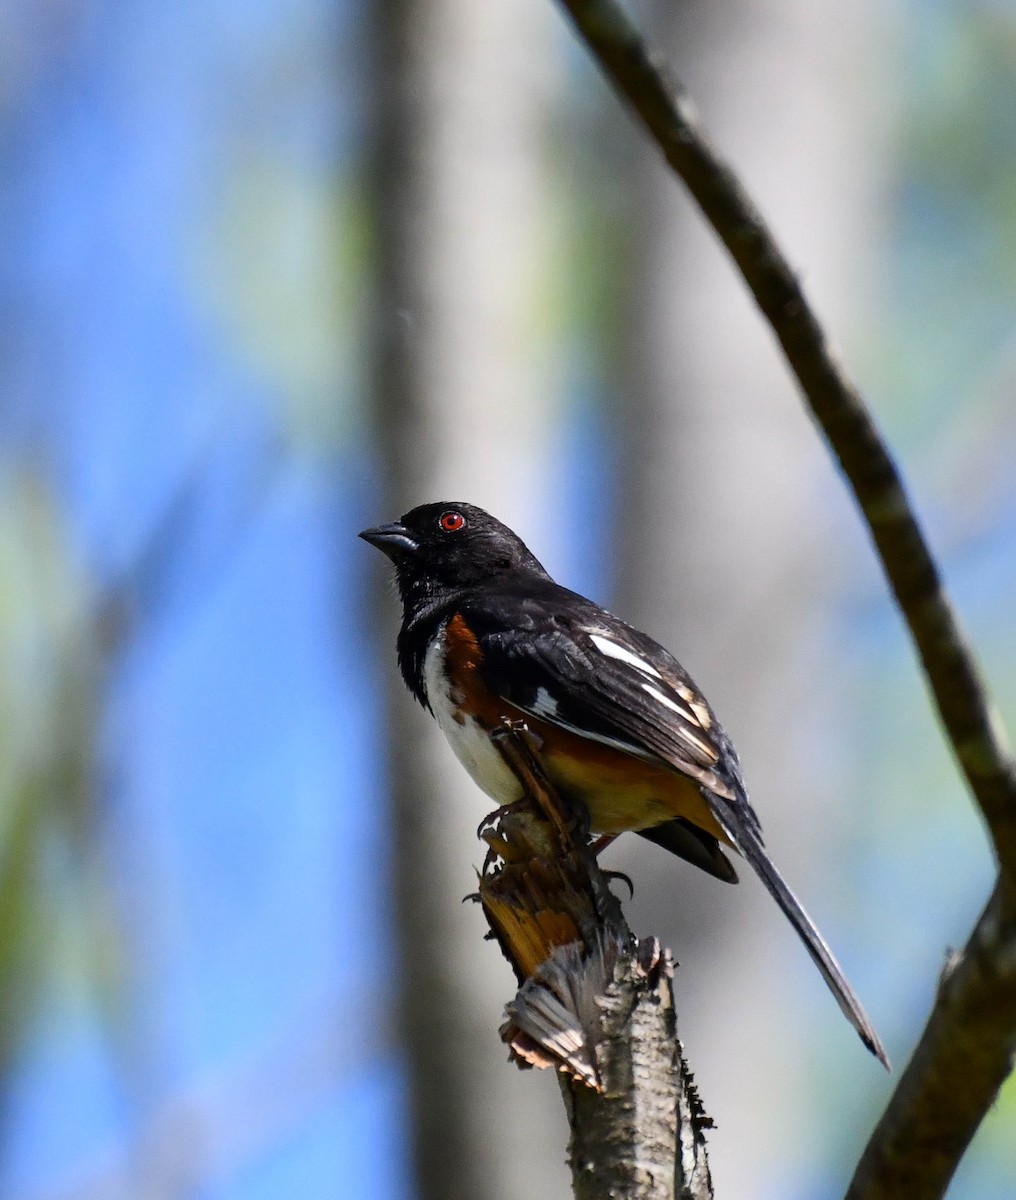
x=391, y=539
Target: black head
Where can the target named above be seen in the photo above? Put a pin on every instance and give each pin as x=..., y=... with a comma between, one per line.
x=442, y=548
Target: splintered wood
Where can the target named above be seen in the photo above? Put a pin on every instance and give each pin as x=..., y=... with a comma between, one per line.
x=554, y=1019
x=556, y=920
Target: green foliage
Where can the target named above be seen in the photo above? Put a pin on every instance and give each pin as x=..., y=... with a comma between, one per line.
x=50, y=693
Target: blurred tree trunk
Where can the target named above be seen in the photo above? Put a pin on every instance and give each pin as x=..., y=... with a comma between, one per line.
x=462, y=381
x=723, y=547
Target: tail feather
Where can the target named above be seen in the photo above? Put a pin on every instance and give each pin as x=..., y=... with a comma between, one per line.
x=750, y=845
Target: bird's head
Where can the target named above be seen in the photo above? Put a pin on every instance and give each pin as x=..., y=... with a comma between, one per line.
x=443, y=547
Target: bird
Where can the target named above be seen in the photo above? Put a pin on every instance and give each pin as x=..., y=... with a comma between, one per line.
x=488, y=637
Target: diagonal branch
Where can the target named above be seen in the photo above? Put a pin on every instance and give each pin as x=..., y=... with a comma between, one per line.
x=963, y=1058
x=966, y=1050
x=664, y=108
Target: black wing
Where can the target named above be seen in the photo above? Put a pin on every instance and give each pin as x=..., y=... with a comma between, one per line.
x=558, y=656
x=564, y=659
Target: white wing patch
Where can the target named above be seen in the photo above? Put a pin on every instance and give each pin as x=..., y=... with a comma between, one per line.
x=544, y=705
x=613, y=650
x=682, y=712
x=693, y=711
x=673, y=705
x=606, y=740
x=696, y=705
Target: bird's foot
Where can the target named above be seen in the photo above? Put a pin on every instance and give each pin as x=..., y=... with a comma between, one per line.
x=502, y=810
x=610, y=876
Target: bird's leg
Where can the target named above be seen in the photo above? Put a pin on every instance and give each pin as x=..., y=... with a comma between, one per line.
x=600, y=844
x=612, y=875
x=520, y=750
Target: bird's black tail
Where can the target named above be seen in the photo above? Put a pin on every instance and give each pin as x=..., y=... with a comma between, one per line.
x=750, y=845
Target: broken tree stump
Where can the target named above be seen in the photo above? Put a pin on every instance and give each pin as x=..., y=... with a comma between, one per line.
x=594, y=1002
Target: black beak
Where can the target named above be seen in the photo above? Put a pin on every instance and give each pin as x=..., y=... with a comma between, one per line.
x=391, y=539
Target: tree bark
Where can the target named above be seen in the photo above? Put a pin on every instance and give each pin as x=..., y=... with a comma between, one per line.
x=641, y=1137
x=461, y=381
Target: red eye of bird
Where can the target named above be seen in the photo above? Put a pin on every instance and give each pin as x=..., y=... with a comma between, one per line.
x=451, y=522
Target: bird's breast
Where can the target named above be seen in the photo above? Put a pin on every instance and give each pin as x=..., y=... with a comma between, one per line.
x=466, y=711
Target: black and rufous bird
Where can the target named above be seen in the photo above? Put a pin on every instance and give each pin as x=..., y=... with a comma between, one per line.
x=487, y=636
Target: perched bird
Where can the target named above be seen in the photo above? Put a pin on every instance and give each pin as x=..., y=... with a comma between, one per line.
x=487, y=636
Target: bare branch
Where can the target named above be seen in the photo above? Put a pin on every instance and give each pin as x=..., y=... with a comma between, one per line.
x=962, y=1060
x=966, y=1050
x=593, y=1004
x=665, y=110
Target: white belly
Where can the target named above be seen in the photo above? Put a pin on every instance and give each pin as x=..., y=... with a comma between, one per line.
x=470, y=742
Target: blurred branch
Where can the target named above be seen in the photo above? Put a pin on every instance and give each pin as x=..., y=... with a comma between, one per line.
x=459, y=378
x=55, y=792
x=960, y=1063
x=593, y=1003
x=967, y=1047
x=962, y=700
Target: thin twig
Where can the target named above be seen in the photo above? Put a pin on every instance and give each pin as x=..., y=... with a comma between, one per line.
x=971, y=1011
